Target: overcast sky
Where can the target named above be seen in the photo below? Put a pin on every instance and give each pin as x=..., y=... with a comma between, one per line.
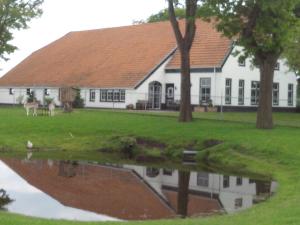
x=63, y=16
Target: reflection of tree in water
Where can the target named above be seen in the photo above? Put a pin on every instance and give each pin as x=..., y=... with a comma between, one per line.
x=183, y=193
x=4, y=199
x=67, y=168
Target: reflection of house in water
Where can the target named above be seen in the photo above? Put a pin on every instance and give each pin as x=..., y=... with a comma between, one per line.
x=134, y=192
x=233, y=193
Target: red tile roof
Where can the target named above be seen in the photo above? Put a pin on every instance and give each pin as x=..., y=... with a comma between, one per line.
x=114, y=57
x=114, y=192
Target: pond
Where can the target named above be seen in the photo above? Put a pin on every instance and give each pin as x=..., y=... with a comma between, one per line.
x=85, y=191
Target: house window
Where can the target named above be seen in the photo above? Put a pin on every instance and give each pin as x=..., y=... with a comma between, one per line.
x=103, y=95
x=167, y=172
x=239, y=181
x=205, y=90
x=251, y=181
x=238, y=203
x=275, y=93
x=255, y=85
x=122, y=96
x=110, y=95
x=202, y=179
x=46, y=92
x=226, y=182
x=228, y=85
x=28, y=91
x=152, y=172
x=116, y=95
x=241, y=92
x=92, y=95
x=290, y=95
x=277, y=66
x=242, y=63
x=11, y=91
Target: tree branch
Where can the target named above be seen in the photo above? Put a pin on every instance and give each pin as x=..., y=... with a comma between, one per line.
x=175, y=25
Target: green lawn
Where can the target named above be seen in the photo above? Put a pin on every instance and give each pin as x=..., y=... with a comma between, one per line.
x=80, y=134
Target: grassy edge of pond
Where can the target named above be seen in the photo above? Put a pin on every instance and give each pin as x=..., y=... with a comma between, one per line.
x=273, y=153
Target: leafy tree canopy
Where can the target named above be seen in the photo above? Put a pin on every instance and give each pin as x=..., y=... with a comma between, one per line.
x=15, y=15
x=262, y=27
x=292, y=51
x=163, y=15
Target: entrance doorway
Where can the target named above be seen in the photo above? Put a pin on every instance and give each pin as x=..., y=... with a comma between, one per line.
x=155, y=92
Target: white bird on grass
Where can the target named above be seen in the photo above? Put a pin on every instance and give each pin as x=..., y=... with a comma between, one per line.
x=29, y=145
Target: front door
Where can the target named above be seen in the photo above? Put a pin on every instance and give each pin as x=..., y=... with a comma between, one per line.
x=155, y=95
x=169, y=94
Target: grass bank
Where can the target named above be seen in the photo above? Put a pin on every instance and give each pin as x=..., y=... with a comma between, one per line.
x=80, y=134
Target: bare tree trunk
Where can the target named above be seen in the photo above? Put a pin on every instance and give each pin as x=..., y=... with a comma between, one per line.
x=264, y=113
x=183, y=193
x=185, y=106
x=184, y=43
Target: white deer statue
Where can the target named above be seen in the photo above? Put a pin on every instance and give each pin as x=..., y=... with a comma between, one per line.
x=31, y=105
x=51, y=108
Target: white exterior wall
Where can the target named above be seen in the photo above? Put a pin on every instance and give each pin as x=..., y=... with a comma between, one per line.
x=195, y=88
x=227, y=196
x=6, y=98
x=141, y=93
x=248, y=73
x=230, y=70
x=85, y=95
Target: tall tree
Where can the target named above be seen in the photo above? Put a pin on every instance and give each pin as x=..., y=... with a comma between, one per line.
x=15, y=15
x=183, y=193
x=184, y=43
x=262, y=28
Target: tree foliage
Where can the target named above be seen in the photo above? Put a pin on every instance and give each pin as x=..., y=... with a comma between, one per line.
x=163, y=15
x=292, y=51
x=15, y=15
x=262, y=28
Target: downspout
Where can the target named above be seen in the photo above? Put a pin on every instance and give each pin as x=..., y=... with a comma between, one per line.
x=215, y=97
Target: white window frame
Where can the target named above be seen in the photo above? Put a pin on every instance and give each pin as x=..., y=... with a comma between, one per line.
x=290, y=94
x=92, y=97
x=228, y=91
x=277, y=66
x=241, y=98
x=226, y=181
x=239, y=181
x=46, y=92
x=103, y=95
x=28, y=91
x=255, y=88
x=205, y=83
x=11, y=91
x=110, y=95
x=202, y=179
x=242, y=63
x=238, y=203
x=276, y=92
x=116, y=95
x=122, y=95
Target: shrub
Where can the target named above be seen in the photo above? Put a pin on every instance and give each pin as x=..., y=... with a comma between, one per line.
x=31, y=97
x=127, y=146
x=78, y=101
x=48, y=100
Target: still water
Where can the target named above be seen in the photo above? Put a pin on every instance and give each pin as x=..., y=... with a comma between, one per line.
x=95, y=192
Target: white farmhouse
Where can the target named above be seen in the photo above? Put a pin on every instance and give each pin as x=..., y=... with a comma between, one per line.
x=139, y=66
